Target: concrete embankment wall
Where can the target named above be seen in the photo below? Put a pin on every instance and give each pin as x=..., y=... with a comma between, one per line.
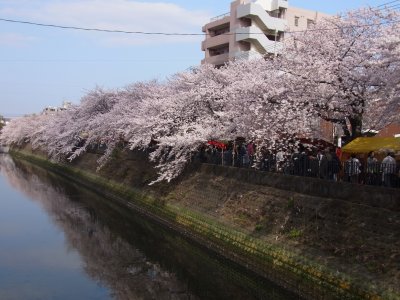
x=344, y=246
x=374, y=196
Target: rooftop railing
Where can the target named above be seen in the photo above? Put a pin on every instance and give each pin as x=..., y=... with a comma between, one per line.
x=220, y=17
x=253, y=1
x=228, y=13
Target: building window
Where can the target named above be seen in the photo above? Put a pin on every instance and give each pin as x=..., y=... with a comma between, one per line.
x=296, y=21
x=310, y=23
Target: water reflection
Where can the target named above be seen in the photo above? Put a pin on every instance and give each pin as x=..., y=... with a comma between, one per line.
x=126, y=254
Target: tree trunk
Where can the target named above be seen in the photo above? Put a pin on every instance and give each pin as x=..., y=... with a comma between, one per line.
x=356, y=126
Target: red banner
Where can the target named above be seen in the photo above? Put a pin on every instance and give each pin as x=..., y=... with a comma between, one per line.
x=217, y=144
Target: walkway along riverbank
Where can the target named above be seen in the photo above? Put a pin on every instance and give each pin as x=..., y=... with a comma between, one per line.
x=319, y=248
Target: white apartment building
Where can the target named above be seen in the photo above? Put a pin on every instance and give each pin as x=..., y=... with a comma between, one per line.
x=253, y=28
x=53, y=109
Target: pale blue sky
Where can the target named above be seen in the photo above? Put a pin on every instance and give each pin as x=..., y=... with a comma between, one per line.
x=41, y=66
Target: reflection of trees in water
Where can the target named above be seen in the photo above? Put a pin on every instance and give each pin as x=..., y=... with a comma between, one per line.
x=107, y=257
x=166, y=266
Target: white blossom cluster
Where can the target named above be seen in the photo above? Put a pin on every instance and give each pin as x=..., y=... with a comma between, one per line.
x=345, y=70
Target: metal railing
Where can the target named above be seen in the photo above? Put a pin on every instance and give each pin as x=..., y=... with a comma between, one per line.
x=219, y=17
x=377, y=174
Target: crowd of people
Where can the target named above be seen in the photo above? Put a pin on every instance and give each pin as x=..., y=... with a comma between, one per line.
x=374, y=172
x=329, y=163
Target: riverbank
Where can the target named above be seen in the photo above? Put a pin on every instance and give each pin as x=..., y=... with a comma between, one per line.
x=318, y=247
x=134, y=256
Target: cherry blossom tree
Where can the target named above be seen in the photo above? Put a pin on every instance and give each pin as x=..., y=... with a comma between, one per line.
x=21, y=130
x=345, y=67
x=345, y=70
x=2, y=122
x=263, y=102
x=192, y=112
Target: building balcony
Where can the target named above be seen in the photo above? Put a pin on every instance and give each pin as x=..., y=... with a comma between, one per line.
x=215, y=41
x=255, y=36
x=216, y=60
x=217, y=23
x=277, y=4
x=260, y=17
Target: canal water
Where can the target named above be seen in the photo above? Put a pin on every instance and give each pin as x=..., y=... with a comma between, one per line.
x=61, y=241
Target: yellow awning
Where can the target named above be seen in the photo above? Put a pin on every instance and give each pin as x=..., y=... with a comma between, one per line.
x=367, y=144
